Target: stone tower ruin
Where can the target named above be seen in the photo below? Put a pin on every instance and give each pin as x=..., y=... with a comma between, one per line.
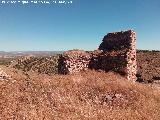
x=117, y=53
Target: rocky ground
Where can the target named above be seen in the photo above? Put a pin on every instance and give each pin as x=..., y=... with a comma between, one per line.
x=4, y=76
x=148, y=66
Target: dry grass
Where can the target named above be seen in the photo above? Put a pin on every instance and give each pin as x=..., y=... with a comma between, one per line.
x=86, y=96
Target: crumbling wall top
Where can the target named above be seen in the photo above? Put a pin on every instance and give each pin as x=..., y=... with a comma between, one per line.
x=117, y=41
x=76, y=54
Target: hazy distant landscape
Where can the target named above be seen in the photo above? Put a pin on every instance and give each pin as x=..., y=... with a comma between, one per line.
x=14, y=54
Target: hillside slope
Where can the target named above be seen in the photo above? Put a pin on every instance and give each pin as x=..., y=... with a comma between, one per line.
x=89, y=95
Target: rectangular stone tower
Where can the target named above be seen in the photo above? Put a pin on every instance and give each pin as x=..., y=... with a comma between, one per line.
x=119, y=53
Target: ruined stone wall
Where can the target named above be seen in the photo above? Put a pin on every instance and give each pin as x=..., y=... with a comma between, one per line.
x=119, y=53
x=73, y=61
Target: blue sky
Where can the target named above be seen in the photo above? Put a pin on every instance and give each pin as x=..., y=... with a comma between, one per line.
x=80, y=25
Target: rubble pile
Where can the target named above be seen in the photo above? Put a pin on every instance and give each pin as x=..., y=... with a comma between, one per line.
x=73, y=61
x=4, y=75
x=119, y=53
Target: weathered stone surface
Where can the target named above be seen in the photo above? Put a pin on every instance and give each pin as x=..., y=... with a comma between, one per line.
x=74, y=61
x=119, y=53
